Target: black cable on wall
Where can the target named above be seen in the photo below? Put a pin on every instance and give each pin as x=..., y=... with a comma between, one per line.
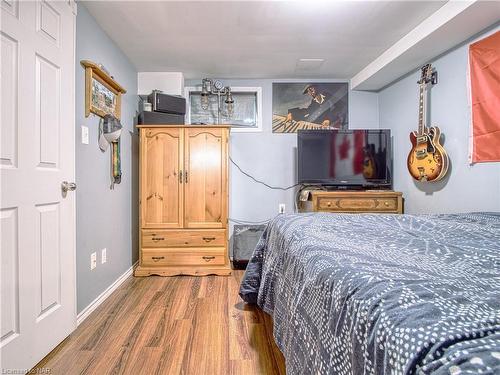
x=238, y=221
x=261, y=182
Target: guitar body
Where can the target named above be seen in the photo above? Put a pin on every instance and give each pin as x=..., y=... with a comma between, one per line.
x=427, y=160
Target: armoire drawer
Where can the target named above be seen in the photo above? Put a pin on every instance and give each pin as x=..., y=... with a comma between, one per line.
x=181, y=238
x=183, y=257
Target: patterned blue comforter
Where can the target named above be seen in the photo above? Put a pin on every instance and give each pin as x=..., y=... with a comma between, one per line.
x=381, y=294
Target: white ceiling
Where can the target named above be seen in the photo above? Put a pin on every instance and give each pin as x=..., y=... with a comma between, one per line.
x=257, y=39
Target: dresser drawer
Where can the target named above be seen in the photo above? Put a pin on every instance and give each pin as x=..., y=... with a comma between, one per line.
x=181, y=238
x=358, y=204
x=183, y=257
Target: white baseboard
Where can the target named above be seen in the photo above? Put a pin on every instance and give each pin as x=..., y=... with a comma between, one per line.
x=104, y=295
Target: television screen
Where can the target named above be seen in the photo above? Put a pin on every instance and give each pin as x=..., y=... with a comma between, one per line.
x=345, y=157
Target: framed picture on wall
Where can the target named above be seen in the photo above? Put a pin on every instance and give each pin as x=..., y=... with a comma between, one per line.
x=310, y=105
x=102, y=92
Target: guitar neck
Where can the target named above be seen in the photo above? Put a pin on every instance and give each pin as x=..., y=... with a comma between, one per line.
x=421, y=110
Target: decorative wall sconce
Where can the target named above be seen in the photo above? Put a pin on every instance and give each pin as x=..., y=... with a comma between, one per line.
x=215, y=87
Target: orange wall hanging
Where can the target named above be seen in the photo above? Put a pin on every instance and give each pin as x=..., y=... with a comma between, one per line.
x=484, y=63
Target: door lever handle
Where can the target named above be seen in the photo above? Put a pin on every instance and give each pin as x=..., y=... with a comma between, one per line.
x=68, y=186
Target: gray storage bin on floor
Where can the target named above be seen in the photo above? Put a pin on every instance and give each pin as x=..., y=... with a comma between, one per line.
x=244, y=240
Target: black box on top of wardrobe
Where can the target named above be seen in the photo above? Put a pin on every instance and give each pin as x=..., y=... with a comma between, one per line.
x=167, y=103
x=158, y=118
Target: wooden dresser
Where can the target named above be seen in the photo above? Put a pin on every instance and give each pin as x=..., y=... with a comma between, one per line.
x=183, y=200
x=370, y=201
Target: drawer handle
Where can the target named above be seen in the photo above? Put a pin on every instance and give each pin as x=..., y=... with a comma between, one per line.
x=208, y=239
x=386, y=203
x=157, y=258
x=158, y=238
x=329, y=204
x=208, y=258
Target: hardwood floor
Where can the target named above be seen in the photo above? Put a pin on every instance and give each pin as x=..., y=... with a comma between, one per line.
x=171, y=325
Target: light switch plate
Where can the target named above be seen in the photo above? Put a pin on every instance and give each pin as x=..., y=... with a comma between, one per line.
x=93, y=261
x=103, y=256
x=85, y=135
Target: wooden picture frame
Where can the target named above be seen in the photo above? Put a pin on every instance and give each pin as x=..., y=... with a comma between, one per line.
x=102, y=92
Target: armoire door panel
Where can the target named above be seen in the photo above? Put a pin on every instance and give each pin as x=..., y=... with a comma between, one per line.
x=162, y=186
x=206, y=178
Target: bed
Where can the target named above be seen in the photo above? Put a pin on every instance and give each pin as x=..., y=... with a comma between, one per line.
x=381, y=294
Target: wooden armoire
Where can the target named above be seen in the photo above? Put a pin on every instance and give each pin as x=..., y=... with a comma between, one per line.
x=183, y=200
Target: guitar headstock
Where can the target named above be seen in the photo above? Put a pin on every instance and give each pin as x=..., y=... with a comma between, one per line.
x=427, y=75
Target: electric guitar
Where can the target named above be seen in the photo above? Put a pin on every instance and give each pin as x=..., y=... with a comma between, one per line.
x=427, y=160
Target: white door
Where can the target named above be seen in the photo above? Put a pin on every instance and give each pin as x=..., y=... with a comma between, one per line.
x=38, y=308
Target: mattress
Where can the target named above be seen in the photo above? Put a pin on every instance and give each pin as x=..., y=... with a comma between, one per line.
x=381, y=294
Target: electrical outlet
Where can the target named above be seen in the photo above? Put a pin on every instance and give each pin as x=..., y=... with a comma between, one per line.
x=93, y=261
x=85, y=135
x=281, y=208
x=103, y=256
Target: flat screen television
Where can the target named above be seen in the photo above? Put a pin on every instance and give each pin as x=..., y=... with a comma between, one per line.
x=345, y=158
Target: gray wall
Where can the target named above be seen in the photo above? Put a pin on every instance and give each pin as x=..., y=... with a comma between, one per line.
x=272, y=157
x=105, y=218
x=467, y=188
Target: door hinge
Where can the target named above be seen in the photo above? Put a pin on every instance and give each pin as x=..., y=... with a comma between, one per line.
x=73, y=6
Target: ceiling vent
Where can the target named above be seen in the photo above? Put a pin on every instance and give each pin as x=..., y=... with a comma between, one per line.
x=308, y=65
